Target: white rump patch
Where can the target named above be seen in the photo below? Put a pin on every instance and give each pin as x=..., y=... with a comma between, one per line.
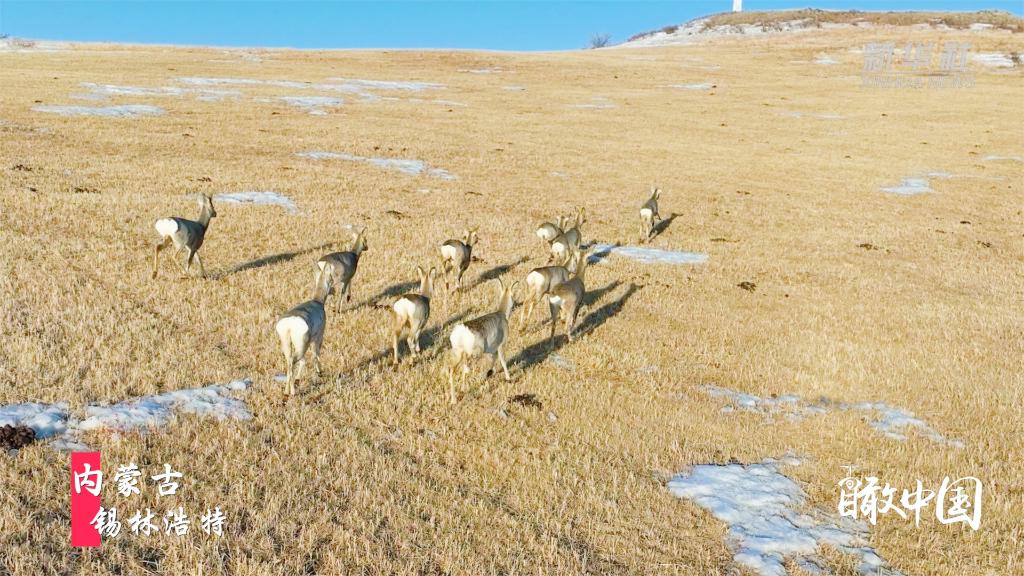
x=769, y=520
x=405, y=166
x=449, y=252
x=122, y=111
x=534, y=279
x=463, y=339
x=405, y=307
x=166, y=227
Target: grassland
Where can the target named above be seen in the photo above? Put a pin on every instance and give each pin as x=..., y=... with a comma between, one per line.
x=369, y=470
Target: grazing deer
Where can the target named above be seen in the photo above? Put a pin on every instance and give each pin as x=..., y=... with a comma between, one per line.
x=456, y=256
x=649, y=215
x=539, y=282
x=566, y=299
x=566, y=244
x=341, y=266
x=302, y=327
x=185, y=235
x=483, y=335
x=411, y=312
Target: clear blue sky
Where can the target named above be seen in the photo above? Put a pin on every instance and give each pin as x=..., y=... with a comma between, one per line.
x=498, y=25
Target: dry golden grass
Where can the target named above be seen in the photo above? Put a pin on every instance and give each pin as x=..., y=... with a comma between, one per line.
x=369, y=470
x=958, y=20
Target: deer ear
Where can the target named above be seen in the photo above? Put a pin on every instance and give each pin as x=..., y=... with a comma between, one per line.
x=419, y=271
x=433, y=271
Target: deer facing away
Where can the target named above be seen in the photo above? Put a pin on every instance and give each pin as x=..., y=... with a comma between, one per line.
x=456, y=256
x=411, y=312
x=483, y=335
x=539, y=282
x=302, y=328
x=649, y=215
x=186, y=235
x=566, y=299
x=341, y=266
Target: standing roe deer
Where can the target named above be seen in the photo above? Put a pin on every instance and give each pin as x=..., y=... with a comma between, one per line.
x=185, y=235
x=411, y=312
x=483, y=335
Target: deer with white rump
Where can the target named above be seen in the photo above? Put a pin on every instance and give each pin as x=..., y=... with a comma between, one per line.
x=649, y=215
x=566, y=299
x=341, y=266
x=539, y=282
x=456, y=256
x=186, y=235
x=566, y=244
x=484, y=335
x=302, y=328
x=411, y=312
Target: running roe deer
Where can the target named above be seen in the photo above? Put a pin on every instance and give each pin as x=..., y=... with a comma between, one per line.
x=341, y=266
x=649, y=215
x=566, y=299
x=483, y=335
x=185, y=235
x=566, y=244
x=539, y=282
x=548, y=231
x=456, y=256
x=411, y=312
x=303, y=327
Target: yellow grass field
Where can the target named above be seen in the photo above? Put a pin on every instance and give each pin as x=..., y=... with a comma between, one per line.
x=775, y=173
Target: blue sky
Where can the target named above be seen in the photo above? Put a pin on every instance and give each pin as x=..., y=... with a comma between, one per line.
x=488, y=24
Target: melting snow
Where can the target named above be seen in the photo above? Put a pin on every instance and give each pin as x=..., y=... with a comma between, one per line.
x=769, y=520
x=700, y=86
x=890, y=421
x=909, y=187
x=145, y=412
x=598, y=103
x=122, y=111
x=259, y=198
x=825, y=60
x=313, y=104
x=411, y=167
x=646, y=255
x=993, y=59
x=994, y=158
x=514, y=88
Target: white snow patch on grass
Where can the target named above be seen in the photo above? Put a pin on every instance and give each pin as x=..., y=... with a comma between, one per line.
x=514, y=88
x=993, y=59
x=315, y=105
x=597, y=103
x=208, y=95
x=892, y=422
x=825, y=60
x=120, y=111
x=646, y=255
x=909, y=187
x=696, y=86
x=269, y=198
x=46, y=419
x=405, y=166
x=491, y=70
x=769, y=520
x=137, y=414
x=994, y=158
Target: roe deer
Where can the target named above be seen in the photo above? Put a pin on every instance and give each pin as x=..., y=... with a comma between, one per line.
x=456, y=256
x=649, y=215
x=185, y=235
x=411, y=312
x=302, y=327
x=483, y=335
x=566, y=244
x=548, y=231
x=566, y=299
x=539, y=282
x=341, y=266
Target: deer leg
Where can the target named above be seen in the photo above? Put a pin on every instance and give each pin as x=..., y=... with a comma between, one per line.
x=316, y=355
x=156, y=254
x=504, y=366
x=396, y=334
x=199, y=262
x=451, y=379
x=554, y=321
x=490, y=368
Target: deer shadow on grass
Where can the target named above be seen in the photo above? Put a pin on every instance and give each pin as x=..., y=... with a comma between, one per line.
x=427, y=340
x=497, y=271
x=663, y=225
x=539, y=351
x=392, y=291
x=271, y=260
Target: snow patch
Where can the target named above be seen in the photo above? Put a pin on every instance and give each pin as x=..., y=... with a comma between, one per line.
x=646, y=255
x=890, y=421
x=769, y=520
x=993, y=59
x=596, y=103
x=136, y=414
x=698, y=86
x=271, y=198
x=315, y=105
x=909, y=187
x=994, y=158
x=405, y=166
x=121, y=111
x=825, y=60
